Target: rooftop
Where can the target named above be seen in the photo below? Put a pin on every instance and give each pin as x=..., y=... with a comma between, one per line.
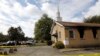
x=79, y=24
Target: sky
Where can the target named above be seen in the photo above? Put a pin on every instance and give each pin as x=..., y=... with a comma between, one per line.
x=26, y=13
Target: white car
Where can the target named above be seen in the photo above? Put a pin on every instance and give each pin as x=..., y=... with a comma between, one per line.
x=30, y=42
x=11, y=43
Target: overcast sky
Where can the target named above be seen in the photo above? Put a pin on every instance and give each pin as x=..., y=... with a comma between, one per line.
x=25, y=13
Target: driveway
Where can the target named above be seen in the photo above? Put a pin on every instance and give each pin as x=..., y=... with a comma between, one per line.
x=37, y=51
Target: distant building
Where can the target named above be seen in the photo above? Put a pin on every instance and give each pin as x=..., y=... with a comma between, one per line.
x=76, y=34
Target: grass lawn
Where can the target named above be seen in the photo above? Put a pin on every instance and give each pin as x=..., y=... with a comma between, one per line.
x=3, y=55
x=92, y=54
x=7, y=46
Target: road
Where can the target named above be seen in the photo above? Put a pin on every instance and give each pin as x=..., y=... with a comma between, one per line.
x=37, y=51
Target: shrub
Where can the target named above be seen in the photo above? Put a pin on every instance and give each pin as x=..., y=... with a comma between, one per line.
x=15, y=49
x=59, y=45
x=36, y=41
x=1, y=52
x=49, y=42
x=42, y=41
x=5, y=53
x=11, y=50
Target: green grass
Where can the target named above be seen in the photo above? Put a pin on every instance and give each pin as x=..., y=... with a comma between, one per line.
x=3, y=55
x=7, y=46
x=92, y=54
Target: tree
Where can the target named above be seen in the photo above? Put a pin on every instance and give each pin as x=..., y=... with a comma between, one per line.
x=94, y=19
x=20, y=34
x=3, y=38
x=43, y=27
x=16, y=33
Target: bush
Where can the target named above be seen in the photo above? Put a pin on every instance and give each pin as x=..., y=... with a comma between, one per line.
x=59, y=45
x=11, y=50
x=49, y=42
x=5, y=53
x=42, y=41
x=1, y=52
x=15, y=49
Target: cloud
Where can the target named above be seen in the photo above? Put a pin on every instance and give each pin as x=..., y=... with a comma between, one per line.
x=94, y=10
x=70, y=9
x=12, y=13
x=49, y=9
x=25, y=13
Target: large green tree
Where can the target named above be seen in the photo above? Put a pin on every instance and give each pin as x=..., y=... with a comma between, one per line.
x=43, y=27
x=93, y=19
x=16, y=34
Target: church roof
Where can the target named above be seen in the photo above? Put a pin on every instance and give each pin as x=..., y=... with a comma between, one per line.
x=79, y=24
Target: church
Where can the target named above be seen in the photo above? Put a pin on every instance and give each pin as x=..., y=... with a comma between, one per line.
x=75, y=34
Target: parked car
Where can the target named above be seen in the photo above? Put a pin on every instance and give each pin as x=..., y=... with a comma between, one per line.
x=0, y=43
x=4, y=43
x=10, y=43
x=29, y=42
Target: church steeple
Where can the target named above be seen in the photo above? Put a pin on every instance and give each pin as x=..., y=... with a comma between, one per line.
x=59, y=18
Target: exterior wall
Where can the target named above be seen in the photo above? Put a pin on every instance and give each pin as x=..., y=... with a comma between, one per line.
x=73, y=42
x=88, y=39
x=57, y=28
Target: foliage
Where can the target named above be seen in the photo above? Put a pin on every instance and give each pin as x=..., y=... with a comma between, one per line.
x=94, y=19
x=43, y=27
x=5, y=53
x=16, y=33
x=11, y=50
x=3, y=38
x=59, y=45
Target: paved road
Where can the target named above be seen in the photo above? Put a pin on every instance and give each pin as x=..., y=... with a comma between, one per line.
x=37, y=51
